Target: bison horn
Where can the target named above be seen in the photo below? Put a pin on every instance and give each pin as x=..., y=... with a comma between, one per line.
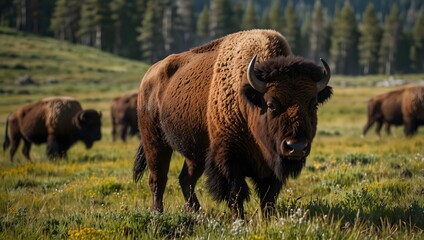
x=257, y=84
x=326, y=76
x=81, y=116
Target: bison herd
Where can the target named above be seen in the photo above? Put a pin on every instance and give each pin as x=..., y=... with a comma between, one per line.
x=60, y=122
x=57, y=121
x=242, y=106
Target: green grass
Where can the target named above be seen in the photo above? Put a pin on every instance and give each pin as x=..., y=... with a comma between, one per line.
x=76, y=68
x=351, y=187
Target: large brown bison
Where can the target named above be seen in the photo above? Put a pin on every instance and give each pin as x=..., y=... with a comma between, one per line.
x=401, y=106
x=230, y=118
x=123, y=112
x=59, y=121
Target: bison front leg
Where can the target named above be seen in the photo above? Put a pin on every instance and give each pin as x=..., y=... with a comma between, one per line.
x=123, y=130
x=55, y=148
x=189, y=175
x=226, y=180
x=268, y=190
x=238, y=193
x=411, y=127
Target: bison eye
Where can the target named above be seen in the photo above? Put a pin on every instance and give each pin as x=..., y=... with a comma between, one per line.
x=271, y=106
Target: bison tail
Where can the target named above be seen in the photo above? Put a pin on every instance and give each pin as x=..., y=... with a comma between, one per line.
x=6, y=136
x=139, y=163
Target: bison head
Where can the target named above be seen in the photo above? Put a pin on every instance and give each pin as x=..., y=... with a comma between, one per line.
x=283, y=94
x=88, y=123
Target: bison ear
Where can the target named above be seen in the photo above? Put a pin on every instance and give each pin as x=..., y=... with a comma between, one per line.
x=100, y=114
x=325, y=94
x=252, y=96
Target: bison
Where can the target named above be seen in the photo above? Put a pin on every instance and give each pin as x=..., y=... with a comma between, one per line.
x=384, y=109
x=401, y=106
x=123, y=111
x=59, y=121
x=229, y=118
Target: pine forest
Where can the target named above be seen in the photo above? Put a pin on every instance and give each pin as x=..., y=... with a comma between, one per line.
x=357, y=37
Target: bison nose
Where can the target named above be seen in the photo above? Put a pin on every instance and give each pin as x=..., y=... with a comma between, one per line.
x=294, y=148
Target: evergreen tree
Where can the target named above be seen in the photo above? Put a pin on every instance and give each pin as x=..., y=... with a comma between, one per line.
x=113, y=25
x=273, y=16
x=7, y=13
x=186, y=13
x=87, y=30
x=304, y=48
x=291, y=28
x=172, y=27
x=125, y=20
x=390, y=42
x=221, y=18
x=203, y=25
x=249, y=19
x=403, y=63
x=238, y=15
x=150, y=33
x=33, y=15
x=141, y=6
x=369, y=41
x=64, y=22
x=95, y=24
x=344, y=41
x=417, y=49
x=58, y=22
x=319, y=34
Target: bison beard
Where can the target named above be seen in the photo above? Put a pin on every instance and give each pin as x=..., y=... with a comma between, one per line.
x=229, y=118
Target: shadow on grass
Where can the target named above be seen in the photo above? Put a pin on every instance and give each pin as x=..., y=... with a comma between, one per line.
x=365, y=207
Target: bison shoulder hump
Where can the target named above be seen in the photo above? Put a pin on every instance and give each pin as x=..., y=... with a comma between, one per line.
x=208, y=47
x=60, y=111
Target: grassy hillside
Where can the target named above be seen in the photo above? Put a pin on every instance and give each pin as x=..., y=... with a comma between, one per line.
x=91, y=76
x=350, y=188
x=76, y=68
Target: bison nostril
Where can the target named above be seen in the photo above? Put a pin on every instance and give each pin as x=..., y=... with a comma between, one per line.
x=294, y=148
x=297, y=146
x=286, y=146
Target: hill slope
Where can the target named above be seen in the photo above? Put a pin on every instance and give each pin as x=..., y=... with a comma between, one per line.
x=73, y=68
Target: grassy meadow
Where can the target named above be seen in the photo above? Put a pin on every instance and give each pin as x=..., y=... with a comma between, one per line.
x=351, y=187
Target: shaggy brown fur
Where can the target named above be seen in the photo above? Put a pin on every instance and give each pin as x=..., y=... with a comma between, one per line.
x=123, y=110
x=59, y=121
x=200, y=104
x=401, y=106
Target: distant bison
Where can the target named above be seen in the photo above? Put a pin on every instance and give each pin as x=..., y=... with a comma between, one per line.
x=123, y=112
x=229, y=118
x=384, y=109
x=401, y=106
x=59, y=121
